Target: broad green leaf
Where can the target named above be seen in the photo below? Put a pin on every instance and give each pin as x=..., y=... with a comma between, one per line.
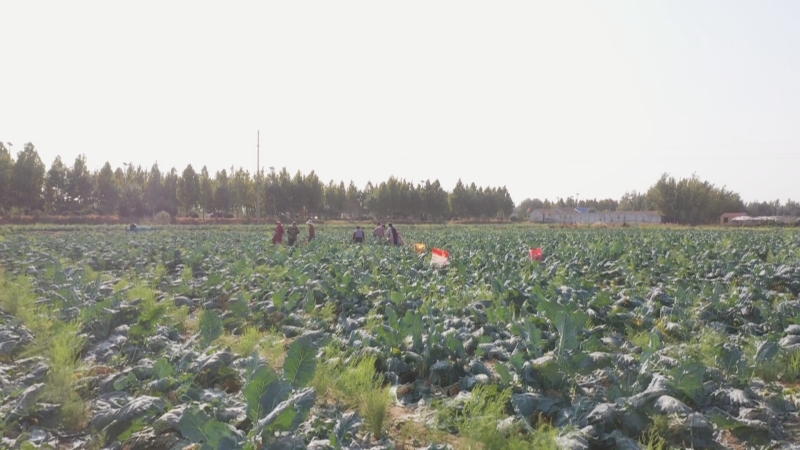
x=162, y=368
x=593, y=345
x=197, y=426
x=136, y=426
x=391, y=315
x=567, y=333
x=276, y=392
x=284, y=421
x=300, y=363
x=210, y=327
x=397, y=298
x=503, y=373
x=215, y=432
x=239, y=307
x=191, y=425
x=278, y=299
x=517, y=361
x=688, y=378
x=455, y=346
x=255, y=389
x=549, y=309
x=766, y=351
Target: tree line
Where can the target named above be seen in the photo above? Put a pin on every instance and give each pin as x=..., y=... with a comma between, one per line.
x=690, y=201
x=28, y=187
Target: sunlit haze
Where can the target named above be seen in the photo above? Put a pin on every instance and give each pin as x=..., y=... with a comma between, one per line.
x=550, y=99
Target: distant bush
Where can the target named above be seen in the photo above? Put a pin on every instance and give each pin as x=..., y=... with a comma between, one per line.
x=162, y=218
x=513, y=218
x=193, y=215
x=38, y=214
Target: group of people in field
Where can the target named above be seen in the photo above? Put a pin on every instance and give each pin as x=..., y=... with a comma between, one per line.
x=292, y=232
x=381, y=231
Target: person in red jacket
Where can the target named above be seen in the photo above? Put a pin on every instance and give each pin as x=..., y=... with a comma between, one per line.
x=278, y=237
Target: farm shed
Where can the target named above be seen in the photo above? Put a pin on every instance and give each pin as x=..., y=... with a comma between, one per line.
x=727, y=217
x=570, y=216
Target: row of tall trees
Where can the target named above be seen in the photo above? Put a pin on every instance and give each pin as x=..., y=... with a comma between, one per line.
x=594, y=205
x=689, y=201
x=774, y=208
x=27, y=186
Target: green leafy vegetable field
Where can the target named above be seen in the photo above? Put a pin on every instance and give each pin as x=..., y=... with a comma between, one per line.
x=618, y=338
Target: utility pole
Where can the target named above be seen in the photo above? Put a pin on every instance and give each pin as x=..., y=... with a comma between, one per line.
x=258, y=178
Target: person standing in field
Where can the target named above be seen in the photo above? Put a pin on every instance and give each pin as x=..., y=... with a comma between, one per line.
x=278, y=237
x=293, y=231
x=358, y=236
x=394, y=236
x=312, y=232
x=379, y=231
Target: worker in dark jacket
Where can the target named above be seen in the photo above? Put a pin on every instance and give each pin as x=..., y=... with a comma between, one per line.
x=394, y=235
x=292, y=233
x=358, y=235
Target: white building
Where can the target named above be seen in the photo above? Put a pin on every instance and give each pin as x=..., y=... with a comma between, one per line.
x=572, y=216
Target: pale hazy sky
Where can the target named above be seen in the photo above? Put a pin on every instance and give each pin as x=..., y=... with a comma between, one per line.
x=550, y=98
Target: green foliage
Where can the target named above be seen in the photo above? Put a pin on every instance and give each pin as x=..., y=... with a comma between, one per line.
x=136, y=426
x=692, y=201
x=197, y=426
x=248, y=341
x=543, y=437
x=28, y=177
x=210, y=327
x=162, y=368
x=374, y=406
x=477, y=421
x=695, y=294
x=300, y=363
x=258, y=383
x=60, y=343
x=652, y=440
x=688, y=378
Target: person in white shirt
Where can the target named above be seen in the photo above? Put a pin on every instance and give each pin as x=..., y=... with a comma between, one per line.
x=379, y=231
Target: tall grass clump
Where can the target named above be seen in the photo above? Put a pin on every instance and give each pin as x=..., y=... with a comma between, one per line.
x=652, y=440
x=244, y=344
x=543, y=437
x=355, y=385
x=374, y=407
x=65, y=347
x=16, y=298
x=477, y=423
x=58, y=342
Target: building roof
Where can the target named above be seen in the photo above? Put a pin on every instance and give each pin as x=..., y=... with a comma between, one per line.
x=731, y=215
x=573, y=211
